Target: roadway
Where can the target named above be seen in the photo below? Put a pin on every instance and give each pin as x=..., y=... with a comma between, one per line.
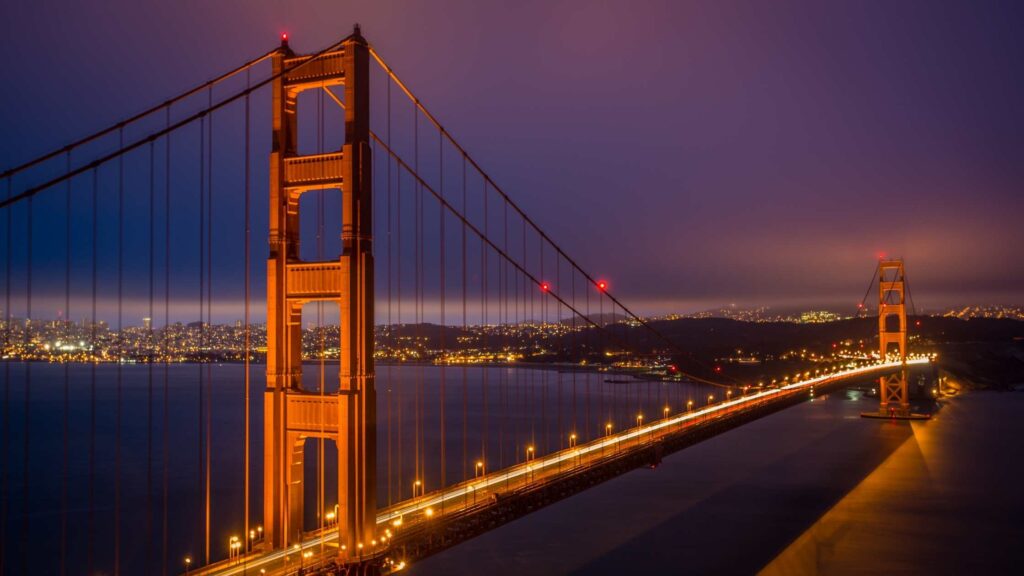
x=465, y=497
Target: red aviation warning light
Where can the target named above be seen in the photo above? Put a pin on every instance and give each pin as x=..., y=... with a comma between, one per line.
x=602, y=285
x=545, y=287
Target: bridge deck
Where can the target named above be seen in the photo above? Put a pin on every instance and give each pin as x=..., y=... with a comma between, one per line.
x=437, y=520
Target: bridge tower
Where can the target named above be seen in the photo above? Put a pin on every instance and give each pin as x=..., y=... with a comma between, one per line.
x=292, y=414
x=895, y=400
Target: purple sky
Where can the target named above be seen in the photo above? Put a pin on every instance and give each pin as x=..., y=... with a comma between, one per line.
x=694, y=153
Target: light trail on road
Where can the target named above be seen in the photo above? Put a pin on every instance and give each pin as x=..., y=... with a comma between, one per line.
x=523, y=474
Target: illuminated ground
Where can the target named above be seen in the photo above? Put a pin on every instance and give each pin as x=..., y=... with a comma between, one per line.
x=813, y=489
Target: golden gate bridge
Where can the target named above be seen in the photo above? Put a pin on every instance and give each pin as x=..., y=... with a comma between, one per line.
x=374, y=213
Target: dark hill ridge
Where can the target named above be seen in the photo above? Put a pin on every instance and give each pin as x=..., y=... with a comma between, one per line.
x=718, y=336
x=985, y=352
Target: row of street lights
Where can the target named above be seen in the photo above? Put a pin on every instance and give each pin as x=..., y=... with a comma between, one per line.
x=480, y=466
x=235, y=544
x=480, y=471
x=235, y=550
x=234, y=547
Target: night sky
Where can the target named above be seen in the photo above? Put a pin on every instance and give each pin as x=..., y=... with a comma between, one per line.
x=694, y=153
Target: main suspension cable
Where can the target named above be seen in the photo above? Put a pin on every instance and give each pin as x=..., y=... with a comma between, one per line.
x=483, y=237
x=499, y=190
x=173, y=127
x=132, y=119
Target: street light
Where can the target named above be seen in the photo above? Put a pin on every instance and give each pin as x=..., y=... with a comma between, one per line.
x=689, y=405
x=302, y=560
x=608, y=429
x=711, y=398
x=417, y=485
x=664, y=412
x=572, y=440
x=639, y=423
x=188, y=563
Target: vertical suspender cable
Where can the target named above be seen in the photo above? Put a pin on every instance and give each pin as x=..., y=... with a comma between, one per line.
x=67, y=375
x=207, y=327
x=544, y=373
x=165, y=420
x=149, y=364
x=503, y=303
x=531, y=290
x=398, y=307
x=26, y=493
x=600, y=354
x=528, y=392
x=7, y=388
x=390, y=326
x=92, y=385
x=465, y=395
x=575, y=338
x=520, y=408
x=558, y=375
x=484, y=328
x=416, y=291
x=441, y=212
x=247, y=336
x=201, y=528
x=588, y=341
x=420, y=319
x=120, y=347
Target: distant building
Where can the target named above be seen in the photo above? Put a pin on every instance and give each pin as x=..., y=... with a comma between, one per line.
x=818, y=317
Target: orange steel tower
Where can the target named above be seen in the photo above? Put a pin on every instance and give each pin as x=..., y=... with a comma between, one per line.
x=895, y=400
x=292, y=414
